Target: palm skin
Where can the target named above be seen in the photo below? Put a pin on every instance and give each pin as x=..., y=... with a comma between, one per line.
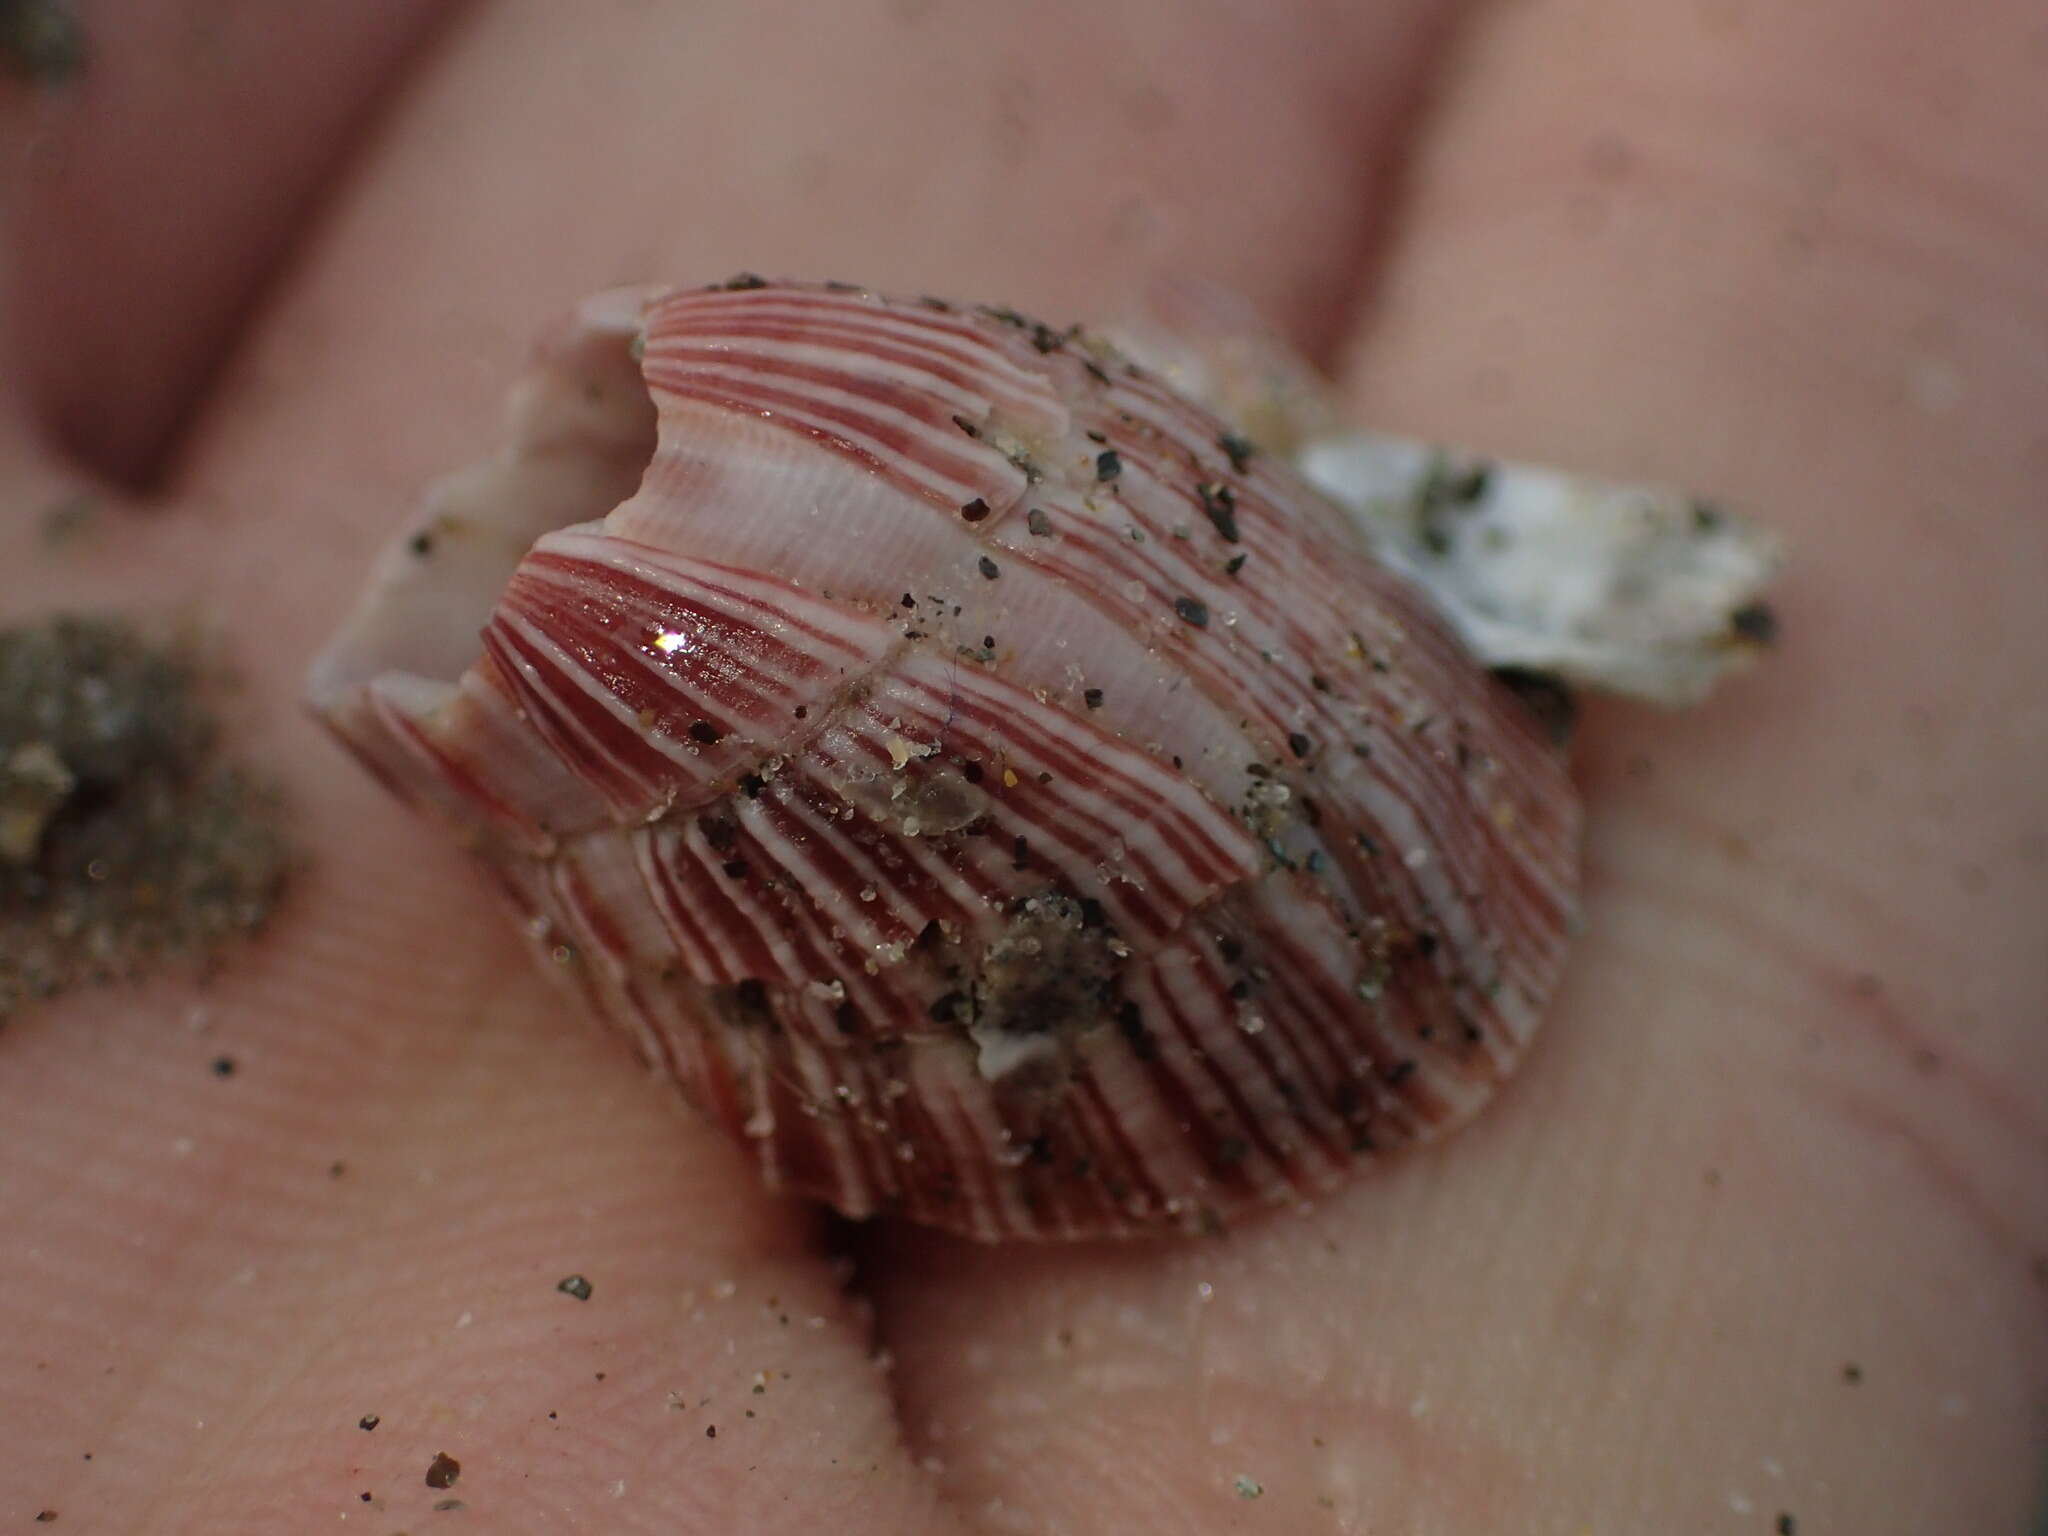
x=1757, y=1233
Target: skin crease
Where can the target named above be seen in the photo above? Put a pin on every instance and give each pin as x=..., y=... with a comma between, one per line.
x=1757, y=1232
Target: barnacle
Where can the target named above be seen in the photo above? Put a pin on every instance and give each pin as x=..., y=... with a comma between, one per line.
x=984, y=781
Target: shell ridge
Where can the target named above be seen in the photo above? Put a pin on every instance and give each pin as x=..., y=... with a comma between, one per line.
x=1433, y=794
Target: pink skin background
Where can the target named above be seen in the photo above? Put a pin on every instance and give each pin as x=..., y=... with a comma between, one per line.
x=1760, y=1231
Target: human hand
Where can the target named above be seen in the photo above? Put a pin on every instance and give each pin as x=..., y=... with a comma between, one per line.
x=1757, y=1231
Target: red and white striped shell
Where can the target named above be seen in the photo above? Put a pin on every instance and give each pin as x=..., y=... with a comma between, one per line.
x=991, y=790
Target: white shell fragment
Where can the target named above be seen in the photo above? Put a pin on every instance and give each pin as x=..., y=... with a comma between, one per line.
x=995, y=790
x=1632, y=590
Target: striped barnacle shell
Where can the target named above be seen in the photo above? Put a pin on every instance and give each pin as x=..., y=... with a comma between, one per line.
x=995, y=792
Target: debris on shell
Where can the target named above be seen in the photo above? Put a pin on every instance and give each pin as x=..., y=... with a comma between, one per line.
x=985, y=783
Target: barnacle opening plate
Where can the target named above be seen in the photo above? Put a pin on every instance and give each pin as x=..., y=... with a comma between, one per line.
x=580, y=431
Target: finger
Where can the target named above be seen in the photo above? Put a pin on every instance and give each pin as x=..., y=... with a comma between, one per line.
x=675, y=146
x=1708, y=1246
x=263, y=1278
x=162, y=165
x=1796, y=259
